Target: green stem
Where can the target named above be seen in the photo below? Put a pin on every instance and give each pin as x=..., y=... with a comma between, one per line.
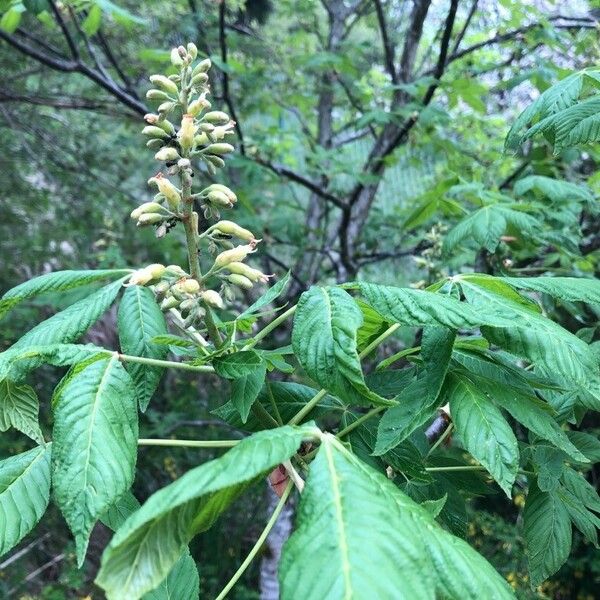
x=169, y=364
x=297, y=418
x=441, y=439
x=268, y=328
x=273, y=403
x=359, y=421
x=189, y=443
x=459, y=468
x=259, y=542
x=384, y=364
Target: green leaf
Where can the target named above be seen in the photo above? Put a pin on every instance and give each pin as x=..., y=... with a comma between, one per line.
x=587, y=444
x=418, y=402
x=245, y=390
x=182, y=582
x=586, y=521
x=73, y=322
x=420, y=307
x=484, y=431
x=19, y=408
x=139, y=320
x=239, y=364
x=547, y=534
x=568, y=289
x=35, y=6
x=324, y=340
x=92, y=22
x=366, y=539
x=24, y=494
x=10, y=20
x=150, y=542
x=529, y=411
x=59, y=281
x=554, y=189
x=585, y=492
x=95, y=445
x=270, y=296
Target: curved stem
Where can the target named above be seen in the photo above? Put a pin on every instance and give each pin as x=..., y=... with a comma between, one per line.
x=259, y=542
x=189, y=443
x=268, y=328
x=441, y=439
x=359, y=421
x=169, y=364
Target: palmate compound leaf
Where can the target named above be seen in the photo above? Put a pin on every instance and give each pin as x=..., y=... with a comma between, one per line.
x=24, y=494
x=151, y=541
x=483, y=430
x=95, y=444
x=325, y=342
x=418, y=402
x=554, y=351
x=19, y=408
x=182, y=581
x=358, y=536
x=60, y=281
x=139, y=320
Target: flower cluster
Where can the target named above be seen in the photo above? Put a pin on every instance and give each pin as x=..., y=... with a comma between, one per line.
x=198, y=139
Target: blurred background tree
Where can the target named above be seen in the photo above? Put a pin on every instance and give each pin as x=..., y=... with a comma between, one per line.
x=370, y=144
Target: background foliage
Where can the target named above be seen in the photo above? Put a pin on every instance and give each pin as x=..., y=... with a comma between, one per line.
x=333, y=165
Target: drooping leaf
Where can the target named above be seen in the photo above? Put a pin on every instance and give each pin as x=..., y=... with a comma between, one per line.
x=366, y=539
x=71, y=323
x=547, y=534
x=59, y=281
x=418, y=402
x=569, y=289
x=239, y=364
x=587, y=444
x=150, y=542
x=269, y=296
x=324, y=340
x=24, y=494
x=556, y=190
x=19, y=408
x=95, y=445
x=182, y=582
x=484, y=431
x=245, y=390
x=139, y=320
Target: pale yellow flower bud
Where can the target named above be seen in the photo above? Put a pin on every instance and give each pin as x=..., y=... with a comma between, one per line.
x=202, y=67
x=149, y=219
x=146, y=207
x=140, y=277
x=197, y=106
x=217, y=117
x=192, y=50
x=167, y=189
x=220, y=149
x=156, y=270
x=166, y=106
x=231, y=228
x=212, y=298
x=200, y=79
x=156, y=132
x=236, y=254
x=169, y=302
x=176, y=59
x=187, y=132
x=166, y=154
x=187, y=286
x=157, y=95
x=219, y=198
x=176, y=270
x=240, y=281
x=165, y=83
x=252, y=274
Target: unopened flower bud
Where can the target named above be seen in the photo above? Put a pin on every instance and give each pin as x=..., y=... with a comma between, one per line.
x=188, y=305
x=182, y=51
x=236, y=254
x=223, y=188
x=149, y=219
x=231, y=228
x=176, y=59
x=167, y=189
x=176, y=270
x=165, y=83
x=216, y=117
x=167, y=154
x=151, y=118
x=216, y=161
x=146, y=207
x=166, y=107
x=157, y=95
x=197, y=106
x=200, y=79
x=212, y=298
x=202, y=67
x=219, y=198
x=161, y=288
x=220, y=149
x=201, y=140
x=155, y=143
x=140, y=277
x=187, y=286
x=156, y=270
x=161, y=231
x=184, y=163
x=192, y=50
x=206, y=127
x=156, y=132
x=187, y=132
x=168, y=303
x=253, y=275
x=240, y=281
